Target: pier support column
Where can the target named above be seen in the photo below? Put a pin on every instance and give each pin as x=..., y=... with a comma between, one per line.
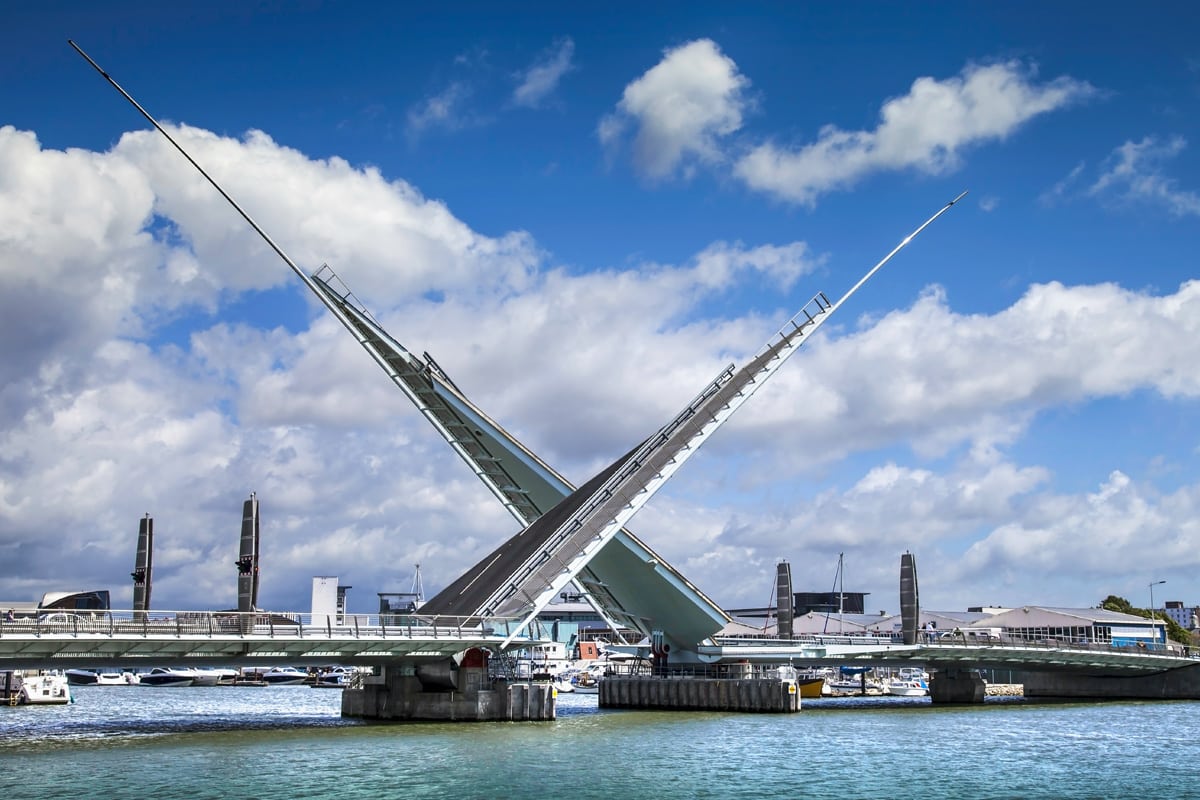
x=957, y=686
x=755, y=695
x=399, y=694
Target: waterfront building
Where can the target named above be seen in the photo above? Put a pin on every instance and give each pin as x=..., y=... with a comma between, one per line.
x=1078, y=625
x=1187, y=617
x=328, y=601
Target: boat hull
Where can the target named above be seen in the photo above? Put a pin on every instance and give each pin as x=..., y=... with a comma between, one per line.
x=165, y=682
x=165, y=678
x=285, y=676
x=82, y=677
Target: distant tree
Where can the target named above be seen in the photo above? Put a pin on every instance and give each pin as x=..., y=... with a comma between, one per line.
x=1114, y=603
x=1175, y=631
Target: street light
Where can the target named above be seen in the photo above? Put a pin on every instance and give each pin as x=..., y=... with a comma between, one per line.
x=1153, y=627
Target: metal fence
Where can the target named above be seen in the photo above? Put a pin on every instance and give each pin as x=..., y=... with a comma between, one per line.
x=262, y=624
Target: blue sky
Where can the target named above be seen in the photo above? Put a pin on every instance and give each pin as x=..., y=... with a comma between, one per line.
x=583, y=215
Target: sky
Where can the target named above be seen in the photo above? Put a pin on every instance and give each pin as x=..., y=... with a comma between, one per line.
x=584, y=212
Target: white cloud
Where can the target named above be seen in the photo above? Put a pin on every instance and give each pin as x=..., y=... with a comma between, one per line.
x=926, y=129
x=1102, y=535
x=680, y=109
x=1133, y=173
x=110, y=422
x=938, y=380
x=445, y=110
x=541, y=79
x=1062, y=188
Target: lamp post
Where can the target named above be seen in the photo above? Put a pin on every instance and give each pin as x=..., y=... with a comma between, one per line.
x=1153, y=627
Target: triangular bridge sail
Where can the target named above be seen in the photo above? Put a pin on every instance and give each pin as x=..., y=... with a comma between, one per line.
x=561, y=543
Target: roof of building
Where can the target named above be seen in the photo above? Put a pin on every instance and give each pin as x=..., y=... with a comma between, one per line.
x=1049, y=616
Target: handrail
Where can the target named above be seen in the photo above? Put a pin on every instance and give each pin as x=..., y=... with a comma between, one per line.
x=959, y=641
x=257, y=624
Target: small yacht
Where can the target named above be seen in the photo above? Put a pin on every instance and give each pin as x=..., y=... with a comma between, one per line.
x=32, y=688
x=908, y=683
x=166, y=676
x=82, y=677
x=285, y=676
x=337, y=677
x=101, y=677
x=213, y=676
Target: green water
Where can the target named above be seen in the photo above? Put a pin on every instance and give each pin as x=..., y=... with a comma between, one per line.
x=290, y=742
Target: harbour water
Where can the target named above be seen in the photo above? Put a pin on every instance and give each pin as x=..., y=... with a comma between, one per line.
x=290, y=742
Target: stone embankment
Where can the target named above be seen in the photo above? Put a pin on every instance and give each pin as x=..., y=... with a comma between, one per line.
x=1005, y=690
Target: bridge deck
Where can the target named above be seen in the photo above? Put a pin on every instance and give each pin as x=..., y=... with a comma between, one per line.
x=227, y=638
x=1015, y=654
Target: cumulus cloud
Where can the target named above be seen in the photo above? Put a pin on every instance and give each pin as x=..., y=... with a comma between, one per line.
x=679, y=110
x=112, y=421
x=944, y=384
x=1101, y=534
x=542, y=77
x=927, y=130
x=939, y=380
x=199, y=422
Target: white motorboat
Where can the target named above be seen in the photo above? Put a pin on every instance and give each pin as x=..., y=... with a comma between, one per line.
x=909, y=682
x=906, y=687
x=337, y=677
x=82, y=677
x=213, y=676
x=24, y=689
x=165, y=676
x=542, y=660
x=91, y=677
x=285, y=676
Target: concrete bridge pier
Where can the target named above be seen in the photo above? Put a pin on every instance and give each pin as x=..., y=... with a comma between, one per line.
x=956, y=685
x=444, y=691
x=1182, y=683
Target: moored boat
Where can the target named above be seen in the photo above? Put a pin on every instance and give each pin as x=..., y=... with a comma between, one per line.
x=165, y=676
x=213, y=676
x=335, y=678
x=586, y=683
x=285, y=676
x=909, y=682
x=24, y=689
x=82, y=677
x=906, y=688
x=109, y=677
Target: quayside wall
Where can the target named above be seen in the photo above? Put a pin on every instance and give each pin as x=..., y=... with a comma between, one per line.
x=756, y=695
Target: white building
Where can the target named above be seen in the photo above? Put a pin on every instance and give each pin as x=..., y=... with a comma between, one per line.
x=328, y=601
x=1078, y=625
x=1187, y=617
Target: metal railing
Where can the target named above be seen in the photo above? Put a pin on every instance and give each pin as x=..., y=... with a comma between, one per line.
x=259, y=624
x=965, y=637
